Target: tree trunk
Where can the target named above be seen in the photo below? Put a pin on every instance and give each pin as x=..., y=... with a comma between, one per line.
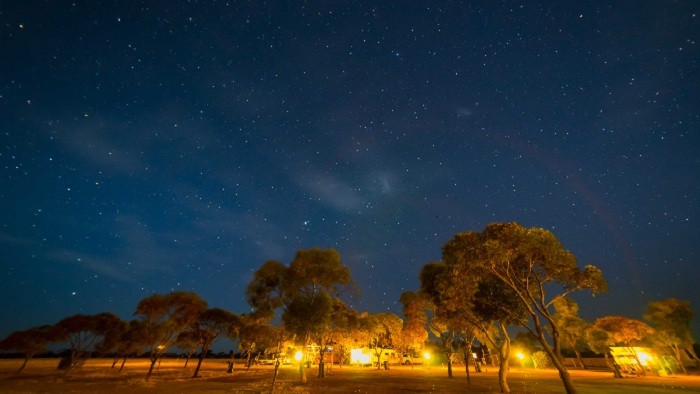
x=563, y=373
x=697, y=360
x=302, y=363
x=466, y=364
x=274, y=378
x=116, y=359
x=199, y=364
x=24, y=364
x=247, y=363
x=556, y=344
x=122, y=366
x=447, y=349
x=503, y=354
x=150, y=370
x=321, y=364
x=187, y=359
x=580, y=360
x=677, y=352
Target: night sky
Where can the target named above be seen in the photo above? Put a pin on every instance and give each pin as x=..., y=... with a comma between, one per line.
x=157, y=146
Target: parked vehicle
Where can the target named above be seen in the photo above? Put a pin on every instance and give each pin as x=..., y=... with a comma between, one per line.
x=408, y=359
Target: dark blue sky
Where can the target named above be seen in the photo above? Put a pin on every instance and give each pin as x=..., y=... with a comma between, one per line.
x=153, y=146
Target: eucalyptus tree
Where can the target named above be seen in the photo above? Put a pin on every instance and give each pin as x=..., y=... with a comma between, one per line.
x=599, y=341
x=130, y=341
x=29, y=342
x=624, y=331
x=341, y=320
x=532, y=264
x=305, y=291
x=441, y=325
x=474, y=303
x=213, y=324
x=671, y=319
x=85, y=333
x=414, y=332
x=164, y=317
x=256, y=336
x=382, y=329
x=188, y=341
x=572, y=327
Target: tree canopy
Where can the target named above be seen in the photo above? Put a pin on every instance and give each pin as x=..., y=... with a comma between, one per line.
x=531, y=263
x=306, y=291
x=164, y=317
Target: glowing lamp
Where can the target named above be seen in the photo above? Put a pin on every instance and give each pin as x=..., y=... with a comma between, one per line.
x=298, y=355
x=426, y=355
x=520, y=356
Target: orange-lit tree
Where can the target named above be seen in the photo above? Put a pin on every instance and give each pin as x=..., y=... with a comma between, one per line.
x=671, y=320
x=305, y=291
x=29, y=342
x=413, y=333
x=532, y=264
x=382, y=328
x=214, y=323
x=84, y=333
x=164, y=317
x=624, y=331
x=130, y=341
x=572, y=327
x=473, y=301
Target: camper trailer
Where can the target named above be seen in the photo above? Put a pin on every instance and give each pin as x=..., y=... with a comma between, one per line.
x=367, y=356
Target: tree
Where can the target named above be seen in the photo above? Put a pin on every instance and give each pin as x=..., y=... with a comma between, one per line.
x=308, y=317
x=598, y=340
x=381, y=330
x=348, y=335
x=305, y=291
x=531, y=263
x=413, y=333
x=441, y=325
x=131, y=340
x=624, y=331
x=213, y=324
x=671, y=320
x=572, y=327
x=29, y=342
x=189, y=341
x=164, y=317
x=340, y=320
x=85, y=332
x=255, y=336
x=473, y=301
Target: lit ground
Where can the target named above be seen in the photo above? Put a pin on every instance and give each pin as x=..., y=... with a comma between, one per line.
x=96, y=376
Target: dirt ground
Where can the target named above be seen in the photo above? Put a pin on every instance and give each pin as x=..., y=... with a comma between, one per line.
x=96, y=376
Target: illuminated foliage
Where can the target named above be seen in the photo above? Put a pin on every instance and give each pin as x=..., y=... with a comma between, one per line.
x=84, y=333
x=572, y=328
x=623, y=331
x=530, y=263
x=306, y=291
x=29, y=342
x=164, y=317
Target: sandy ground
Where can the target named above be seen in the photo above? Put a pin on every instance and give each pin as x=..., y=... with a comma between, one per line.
x=96, y=376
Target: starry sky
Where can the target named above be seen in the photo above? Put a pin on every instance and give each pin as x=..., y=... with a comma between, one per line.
x=153, y=146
